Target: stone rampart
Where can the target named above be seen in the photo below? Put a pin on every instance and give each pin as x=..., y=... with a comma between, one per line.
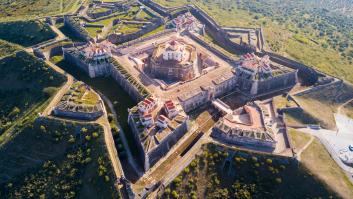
x=75, y=27
x=77, y=115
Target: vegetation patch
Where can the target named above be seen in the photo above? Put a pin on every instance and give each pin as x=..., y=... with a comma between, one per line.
x=26, y=33
x=320, y=164
x=7, y=48
x=348, y=109
x=10, y=9
x=323, y=103
x=55, y=159
x=223, y=173
x=25, y=83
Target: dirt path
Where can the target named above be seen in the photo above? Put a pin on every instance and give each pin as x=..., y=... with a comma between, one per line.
x=305, y=147
x=62, y=90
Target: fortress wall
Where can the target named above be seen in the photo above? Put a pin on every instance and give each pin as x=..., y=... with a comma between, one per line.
x=78, y=115
x=133, y=42
x=99, y=14
x=293, y=64
x=164, y=147
x=114, y=38
x=209, y=47
x=76, y=28
x=73, y=60
x=138, y=143
x=125, y=84
x=320, y=87
x=156, y=7
x=277, y=83
x=241, y=141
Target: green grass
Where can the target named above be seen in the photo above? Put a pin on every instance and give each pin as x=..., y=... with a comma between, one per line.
x=128, y=28
x=299, y=139
x=320, y=164
x=25, y=84
x=25, y=33
x=93, y=31
x=224, y=173
x=68, y=32
x=143, y=15
x=155, y=31
x=323, y=103
x=7, y=48
x=22, y=9
x=55, y=159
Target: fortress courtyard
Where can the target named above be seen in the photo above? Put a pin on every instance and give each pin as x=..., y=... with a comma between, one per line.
x=213, y=69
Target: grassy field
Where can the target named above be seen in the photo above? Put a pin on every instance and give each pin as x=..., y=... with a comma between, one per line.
x=223, y=173
x=348, y=109
x=299, y=140
x=21, y=9
x=297, y=35
x=323, y=103
x=320, y=164
x=25, y=33
x=54, y=159
x=7, y=48
x=25, y=84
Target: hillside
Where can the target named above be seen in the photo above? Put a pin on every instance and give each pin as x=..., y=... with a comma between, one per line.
x=54, y=159
x=26, y=83
x=223, y=173
x=19, y=9
x=25, y=33
x=7, y=48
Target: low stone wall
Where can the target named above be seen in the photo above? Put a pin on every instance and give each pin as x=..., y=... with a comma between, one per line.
x=77, y=115
x=316, y=88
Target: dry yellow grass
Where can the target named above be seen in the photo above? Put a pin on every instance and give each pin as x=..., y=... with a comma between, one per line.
x=299, y=139
x=319, y=162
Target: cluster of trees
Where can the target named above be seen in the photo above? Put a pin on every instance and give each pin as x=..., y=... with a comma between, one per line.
x=223, y=173
x=324, y=26
x=26, y=83
x=81, y=162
